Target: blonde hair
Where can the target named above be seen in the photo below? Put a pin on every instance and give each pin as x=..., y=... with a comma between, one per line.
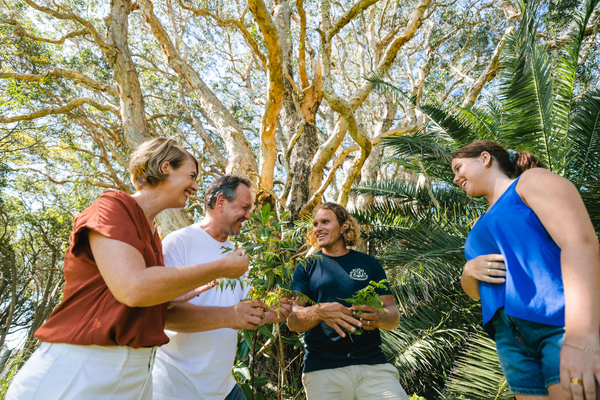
x=145, y=162
x=350, y=228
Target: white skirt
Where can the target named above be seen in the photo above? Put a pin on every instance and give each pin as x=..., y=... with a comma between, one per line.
x=66, y=371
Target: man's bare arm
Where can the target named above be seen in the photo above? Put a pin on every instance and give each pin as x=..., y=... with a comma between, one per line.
x=189, y=318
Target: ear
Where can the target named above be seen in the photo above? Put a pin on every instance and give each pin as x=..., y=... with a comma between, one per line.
x=487, y=159
x=166, y=168
x=220, y=201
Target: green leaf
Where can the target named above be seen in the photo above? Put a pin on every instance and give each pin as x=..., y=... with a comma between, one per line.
x=260, y=381
x=265, y=331
x=478, y=375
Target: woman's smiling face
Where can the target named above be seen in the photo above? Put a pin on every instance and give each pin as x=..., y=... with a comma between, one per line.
x=471, y=173
x=181, y=182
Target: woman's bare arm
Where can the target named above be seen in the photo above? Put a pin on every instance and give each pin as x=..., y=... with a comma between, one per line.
x=559, y=207
x=123, y=269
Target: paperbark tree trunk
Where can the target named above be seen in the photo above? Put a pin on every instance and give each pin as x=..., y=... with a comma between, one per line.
x=298, y=114
x=268, y=146
x=328, y=149
x=240, y=159
x=135, y=125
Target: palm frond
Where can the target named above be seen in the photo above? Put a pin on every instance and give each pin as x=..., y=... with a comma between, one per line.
x=445, y=123
x=410, y=199
x=526, y=92
x=423, y=346
x=567, y=64
x=584, y=134
x=478, y=375
x=590, y=193
x=420, y=151
x=380, y=85
x=483, y=121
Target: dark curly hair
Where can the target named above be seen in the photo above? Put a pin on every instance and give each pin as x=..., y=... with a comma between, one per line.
x=350, y=228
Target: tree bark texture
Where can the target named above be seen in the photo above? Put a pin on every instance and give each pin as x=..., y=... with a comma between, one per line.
x=240, y=158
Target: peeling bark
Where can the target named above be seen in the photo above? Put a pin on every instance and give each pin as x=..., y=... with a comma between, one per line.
x=298, y=114
x=135, y=126
x=268, y=147
x=326, y=151
x=240, y=158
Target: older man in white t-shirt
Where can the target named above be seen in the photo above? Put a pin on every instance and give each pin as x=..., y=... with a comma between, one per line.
x=197, y=362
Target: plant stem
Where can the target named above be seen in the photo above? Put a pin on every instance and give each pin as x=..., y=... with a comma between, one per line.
x=254, y=362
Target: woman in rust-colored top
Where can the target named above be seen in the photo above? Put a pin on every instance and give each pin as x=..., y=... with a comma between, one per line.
x=100, y=341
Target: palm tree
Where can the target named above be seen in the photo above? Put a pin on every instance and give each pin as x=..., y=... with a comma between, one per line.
x=419, y=229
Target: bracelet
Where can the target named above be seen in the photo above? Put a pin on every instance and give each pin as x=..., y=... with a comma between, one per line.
x=585, y=349
x=467, y=271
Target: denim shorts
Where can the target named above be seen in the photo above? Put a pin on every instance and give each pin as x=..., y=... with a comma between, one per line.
x=529, y=353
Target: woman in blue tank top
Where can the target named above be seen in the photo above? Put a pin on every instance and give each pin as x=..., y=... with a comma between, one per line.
x=533, y=261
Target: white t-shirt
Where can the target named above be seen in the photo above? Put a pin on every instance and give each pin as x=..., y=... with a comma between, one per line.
x=197, y=365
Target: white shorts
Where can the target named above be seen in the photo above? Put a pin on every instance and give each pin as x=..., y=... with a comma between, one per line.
x=359, y=382
x=66, y=371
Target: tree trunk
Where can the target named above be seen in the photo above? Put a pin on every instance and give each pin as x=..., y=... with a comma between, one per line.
x=298, y=115
x=135, y=126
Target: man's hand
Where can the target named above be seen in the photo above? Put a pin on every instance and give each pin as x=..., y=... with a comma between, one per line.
x=369, y=317
x=338, y=317
x=246, y=315
x=285, y=308
x=235, y=264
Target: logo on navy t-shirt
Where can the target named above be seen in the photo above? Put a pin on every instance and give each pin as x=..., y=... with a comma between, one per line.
x=359, y=274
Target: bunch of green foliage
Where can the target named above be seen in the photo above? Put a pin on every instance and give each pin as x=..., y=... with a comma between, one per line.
x=367, y=296
x=272, y=246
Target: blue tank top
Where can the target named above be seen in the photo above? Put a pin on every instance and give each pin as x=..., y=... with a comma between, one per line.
x=534, y=288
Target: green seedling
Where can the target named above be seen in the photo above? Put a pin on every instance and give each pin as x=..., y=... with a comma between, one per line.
x=367, y=296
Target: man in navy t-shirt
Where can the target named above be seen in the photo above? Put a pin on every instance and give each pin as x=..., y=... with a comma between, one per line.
x=338, y=365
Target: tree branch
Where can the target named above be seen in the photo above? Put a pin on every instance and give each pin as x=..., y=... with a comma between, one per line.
x=302, y=45
x=240, y=157
x=75, y=75
x=219, y=160
x=20, y=31
x=106, y=48
x=61, y=110
x=491, y=69
x=327, y=150
x=231, y=23
x=347, y=17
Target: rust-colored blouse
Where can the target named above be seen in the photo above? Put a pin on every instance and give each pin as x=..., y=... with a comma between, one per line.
x=89, y=314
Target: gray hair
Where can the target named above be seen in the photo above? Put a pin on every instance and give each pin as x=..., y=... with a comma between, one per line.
x=227, y=186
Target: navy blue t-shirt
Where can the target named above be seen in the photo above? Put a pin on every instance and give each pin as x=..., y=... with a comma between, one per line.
x=326, y=279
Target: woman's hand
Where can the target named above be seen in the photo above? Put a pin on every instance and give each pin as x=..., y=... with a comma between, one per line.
x=190, y=295
x=487, y=268
x=579, y=372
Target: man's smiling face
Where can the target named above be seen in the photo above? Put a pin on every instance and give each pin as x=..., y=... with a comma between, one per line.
x=326, y=228
x=236, y=212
